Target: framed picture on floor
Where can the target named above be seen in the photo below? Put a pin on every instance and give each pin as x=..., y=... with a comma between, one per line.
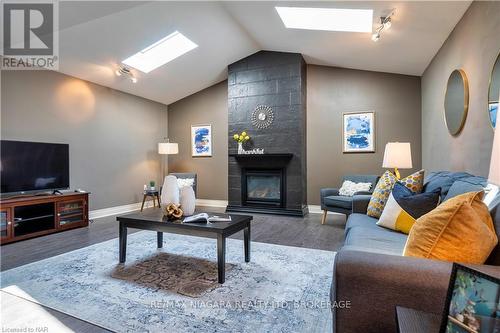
x=472, y=303
x=201, y=140
x=358, y=132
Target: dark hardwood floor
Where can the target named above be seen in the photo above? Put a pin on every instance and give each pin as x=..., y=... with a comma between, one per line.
x=283, y=230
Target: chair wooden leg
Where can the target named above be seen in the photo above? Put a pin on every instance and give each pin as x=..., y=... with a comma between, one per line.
x=323, y=219
x=143, y=200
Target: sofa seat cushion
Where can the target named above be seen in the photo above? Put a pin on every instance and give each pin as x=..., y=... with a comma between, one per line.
x=377, y=240
x=339, y=201
x=360, y=220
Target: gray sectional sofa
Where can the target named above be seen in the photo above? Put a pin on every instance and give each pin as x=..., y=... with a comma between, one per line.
x=371, y=273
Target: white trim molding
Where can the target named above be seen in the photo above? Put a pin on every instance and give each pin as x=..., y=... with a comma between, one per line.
x=211, y=203
x=98, y=213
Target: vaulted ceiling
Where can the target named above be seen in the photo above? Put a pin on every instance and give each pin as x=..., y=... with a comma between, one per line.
x=96, y=36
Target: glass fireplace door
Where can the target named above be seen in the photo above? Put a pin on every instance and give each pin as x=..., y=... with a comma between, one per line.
x=263, y=187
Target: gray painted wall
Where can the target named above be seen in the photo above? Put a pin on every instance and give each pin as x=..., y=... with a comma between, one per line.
x=112, y=135
x=333, y=91
x=330, y=91
x=473, y=46
x=208, y=106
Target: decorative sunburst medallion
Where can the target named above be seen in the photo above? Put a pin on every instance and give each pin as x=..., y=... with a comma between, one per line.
x=262, y=117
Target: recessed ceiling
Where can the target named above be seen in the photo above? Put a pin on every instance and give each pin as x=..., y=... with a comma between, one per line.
x=96, y=36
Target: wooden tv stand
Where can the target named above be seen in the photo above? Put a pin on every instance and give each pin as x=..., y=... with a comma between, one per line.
x=24, y=217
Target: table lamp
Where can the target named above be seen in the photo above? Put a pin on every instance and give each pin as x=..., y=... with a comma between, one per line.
x=397, y=155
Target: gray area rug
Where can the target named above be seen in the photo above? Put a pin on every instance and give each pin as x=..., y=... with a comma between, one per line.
x=282, y=289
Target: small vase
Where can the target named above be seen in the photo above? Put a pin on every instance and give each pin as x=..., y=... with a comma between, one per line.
x=240, y=148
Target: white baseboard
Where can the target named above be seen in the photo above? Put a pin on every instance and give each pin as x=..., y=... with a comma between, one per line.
x=211, y=203
x=98, y=213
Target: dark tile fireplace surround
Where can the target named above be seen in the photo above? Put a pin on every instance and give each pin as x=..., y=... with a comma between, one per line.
x=274, y=182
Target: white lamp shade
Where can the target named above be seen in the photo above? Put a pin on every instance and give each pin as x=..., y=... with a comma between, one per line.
x=168, y=148
x=494, y=176
x=397, y=155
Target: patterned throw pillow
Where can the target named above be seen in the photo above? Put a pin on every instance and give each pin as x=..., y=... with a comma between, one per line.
x=184, y=182
x=349, y=188
x=414, y=182
x=404, y=206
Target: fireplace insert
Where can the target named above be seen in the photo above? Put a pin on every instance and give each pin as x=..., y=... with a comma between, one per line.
x=263, y=187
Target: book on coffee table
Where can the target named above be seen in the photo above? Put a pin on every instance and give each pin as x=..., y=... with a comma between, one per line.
x=204, y=218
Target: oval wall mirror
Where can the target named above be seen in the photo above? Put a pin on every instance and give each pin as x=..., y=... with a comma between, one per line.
x=456, y=101
x=494, y=92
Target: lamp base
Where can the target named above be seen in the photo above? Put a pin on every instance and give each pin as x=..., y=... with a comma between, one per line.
x=396, y=172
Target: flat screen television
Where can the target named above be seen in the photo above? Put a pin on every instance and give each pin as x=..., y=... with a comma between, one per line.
x=33, y=166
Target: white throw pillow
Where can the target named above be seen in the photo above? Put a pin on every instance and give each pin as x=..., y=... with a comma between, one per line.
x=188, y=200
x=170, y=191
x=183, y=182
x=349, y=188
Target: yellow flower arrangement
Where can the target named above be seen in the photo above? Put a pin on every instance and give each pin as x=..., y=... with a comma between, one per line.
x=241, y=137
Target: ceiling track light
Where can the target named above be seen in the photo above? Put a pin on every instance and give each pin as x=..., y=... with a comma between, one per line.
x=125, y=71
x=385, y=24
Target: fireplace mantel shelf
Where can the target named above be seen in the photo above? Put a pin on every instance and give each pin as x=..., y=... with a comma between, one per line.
x=262, y=156
x=289, y=155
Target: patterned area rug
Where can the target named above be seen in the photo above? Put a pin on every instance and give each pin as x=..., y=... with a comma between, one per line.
x=282, y=289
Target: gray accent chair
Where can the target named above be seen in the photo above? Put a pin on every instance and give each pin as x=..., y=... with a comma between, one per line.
x=371, y=272
x=331, y=201
x=185, y=175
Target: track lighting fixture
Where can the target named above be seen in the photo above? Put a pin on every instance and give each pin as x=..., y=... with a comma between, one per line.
x=385, y=24
x=122, y=70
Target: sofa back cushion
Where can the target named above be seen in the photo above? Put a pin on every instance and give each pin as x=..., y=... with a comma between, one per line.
x=463, y=186
x=446, y=179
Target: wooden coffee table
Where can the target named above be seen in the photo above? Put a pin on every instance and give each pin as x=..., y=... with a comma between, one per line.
x=156, y=222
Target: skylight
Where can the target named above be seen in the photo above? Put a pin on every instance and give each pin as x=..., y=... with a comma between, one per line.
x=161, y=52
x=331, y=19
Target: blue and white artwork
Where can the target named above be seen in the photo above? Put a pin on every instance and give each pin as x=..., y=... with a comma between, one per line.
x=201, y=140
x=359, y=132
x=493, y=110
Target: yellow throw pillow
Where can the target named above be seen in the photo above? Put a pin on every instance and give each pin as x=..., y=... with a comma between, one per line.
x=414, y=182
x=459, y=230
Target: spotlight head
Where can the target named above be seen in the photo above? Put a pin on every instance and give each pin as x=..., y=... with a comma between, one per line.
x=118, y=73
x=375, y=37
x=387, y=23
x=133, y=79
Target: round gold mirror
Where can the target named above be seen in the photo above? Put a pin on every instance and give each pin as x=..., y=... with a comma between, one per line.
x=456, y=101
x=494, y=92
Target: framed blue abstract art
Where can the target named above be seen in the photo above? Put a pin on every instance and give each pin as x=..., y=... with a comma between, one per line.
x=201, y=140
x=358, y=135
